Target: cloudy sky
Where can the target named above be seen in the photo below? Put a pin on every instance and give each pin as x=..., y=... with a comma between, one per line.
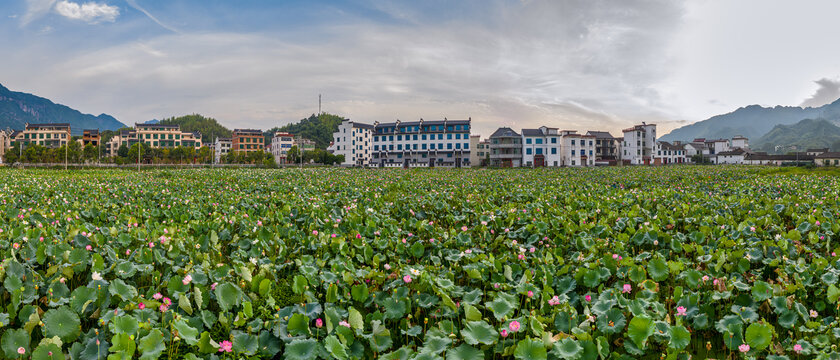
x=577, y=64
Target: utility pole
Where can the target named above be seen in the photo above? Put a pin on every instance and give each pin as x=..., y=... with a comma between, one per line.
x=319, y=104
x=66, y=151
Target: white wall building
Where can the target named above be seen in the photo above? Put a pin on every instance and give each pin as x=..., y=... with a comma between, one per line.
x=667, y=154
x=638, y=145
x=281, y=142
x=740, y=142
x=734, y=156
x=542, y=147
x=5, y=144
x=577, y=150
x=479, y=151
x=222, y=147
x=353, y=140
x=422, y=143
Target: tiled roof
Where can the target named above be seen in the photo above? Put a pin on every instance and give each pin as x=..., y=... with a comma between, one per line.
x=504, y=132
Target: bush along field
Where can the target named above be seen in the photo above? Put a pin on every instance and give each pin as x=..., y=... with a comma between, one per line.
x=619, y=263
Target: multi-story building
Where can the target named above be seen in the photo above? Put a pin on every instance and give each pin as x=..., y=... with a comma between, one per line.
x=5, y=144
x=606, y=146
x=638, y=145
x=90, y=136
x=353, y=140
x=422, y=143
x=479, y=151
x=667, y=154
x=505, y=148
x=542, y=147
x=734, y=156
x=155, y=136
x=48, y=135
x=578, y=150
x=717, y=145
x=247, y=140
x=221, y=148
x=304, y=144
x=740, y=142
x=281, y=142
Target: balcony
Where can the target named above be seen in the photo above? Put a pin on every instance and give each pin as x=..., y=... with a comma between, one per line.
x=506, y=146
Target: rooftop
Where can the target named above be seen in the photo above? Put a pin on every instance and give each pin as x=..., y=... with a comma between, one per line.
x=504, y=132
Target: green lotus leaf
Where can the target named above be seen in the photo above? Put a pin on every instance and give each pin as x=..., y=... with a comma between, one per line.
x=244, y=343
x=479, y=332
x=759, y=336
x=124, y=324
x=680, y=337
x=335, y=348
x=530, y=349
x=298, y=325
x=228, y=296
x=47, y=352
x=658, y=269
x=464, y=352
x=568, y=349
x=14, y=339
x=761, y=291
x=639, y=329
x=359, y=292
x=62, y=322
x=611, y=322
x=500, y=308
x=186, y=332
x=151, y=346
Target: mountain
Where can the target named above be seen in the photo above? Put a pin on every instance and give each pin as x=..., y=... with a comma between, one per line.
x=808, y=133
x=319, y=128
x=17, y=109
x=209, y=128
x=752, y=121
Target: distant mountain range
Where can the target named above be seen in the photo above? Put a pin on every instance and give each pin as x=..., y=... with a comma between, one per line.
x=17, y=109
x=756, y=121
x=806, y=134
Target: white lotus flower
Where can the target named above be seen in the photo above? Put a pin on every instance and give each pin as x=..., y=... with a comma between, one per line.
x=96, y=276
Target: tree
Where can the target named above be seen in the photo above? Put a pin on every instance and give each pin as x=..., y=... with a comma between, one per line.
x=122, y=151
x=208, y=127
x=90, y=153
x=293, y=155
x=319, y=128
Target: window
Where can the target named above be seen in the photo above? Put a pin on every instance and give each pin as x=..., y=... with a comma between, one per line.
x=573, y=142
x=423, y=136
x=554, y=140
x=539, y=141
x=414, y=137
x=399, y=137
x=448, y=136
x=528, y=151
x=554, y=151
x=573, y=153
x=528, y=141
x=449, y=146
x=539, y=151
x=466, y=146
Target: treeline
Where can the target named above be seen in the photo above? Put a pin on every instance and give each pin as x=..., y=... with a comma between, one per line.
x=318, y=128
x=318, y=156
x=33, y=153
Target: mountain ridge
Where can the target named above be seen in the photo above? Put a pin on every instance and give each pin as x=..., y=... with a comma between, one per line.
x=19, y=108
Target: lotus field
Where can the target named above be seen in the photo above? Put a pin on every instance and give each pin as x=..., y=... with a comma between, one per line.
x=617, y=263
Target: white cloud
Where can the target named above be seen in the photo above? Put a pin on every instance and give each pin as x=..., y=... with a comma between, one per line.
x=828, y=92
x=36, y=9
x=89, y=12
x=136, y=6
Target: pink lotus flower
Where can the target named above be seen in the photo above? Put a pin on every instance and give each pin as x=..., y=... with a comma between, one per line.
x=744, y=348
x=319, y=323
x=213, y=287
x=464, y=228
x=88, y=248
x=817, y=223
x=814, y=314
x=167, y=301
x=680, y=310
x=752, y=228
x=797, y=348
x=615, y=256
x=358, y=236
x=521, y=256
x=514, y=326
x=588, y=298
x=141, y=306
x=627, y=288
x=163, y=308
x=554, y=301
x=387, y=267
x=530, y=294
x=504, y=333
x=344, y=323
x=315, y=232
x=157, y=296
x=407, y=279
x=21, y=350
x=187, y=279
x=225, y=346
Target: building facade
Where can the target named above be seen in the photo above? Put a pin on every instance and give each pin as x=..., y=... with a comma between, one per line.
x=505, y=148
x=578, y=150
x=353, y=140
x=281, y=142
x=247, y=140
x=668, y=154
x=422, y=143
x=90, y=137
x=5, y=144
x=155, y=136
x=542, y=147
x=48, y=135
x=606, y=147
x=479, y=151
x=221, y=148
x=828, y=159
x=638, y=145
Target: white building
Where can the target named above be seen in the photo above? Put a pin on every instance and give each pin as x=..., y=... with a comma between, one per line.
x=718, y=146
x=479, y=151
x=667, y=154
x=734, y=156
x=353, y=140
x=222, y=147
x=542, y=147
x=281, y=142
x=434, y=143
x=577, y=149
x=638, y=145
x=5, y=144
x=740, y=142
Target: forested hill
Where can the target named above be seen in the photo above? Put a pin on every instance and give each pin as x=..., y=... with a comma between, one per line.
x=319, y=128
x=209, y=128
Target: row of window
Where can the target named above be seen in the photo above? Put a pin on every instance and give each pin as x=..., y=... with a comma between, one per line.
x=426, y=128
x=424, y=155
x=669, y=152
x=243, y=139
x=423, y=146
x=162, y=136
x=539, y=141
x=41, y=136
x=415, y=137
x=539, y=151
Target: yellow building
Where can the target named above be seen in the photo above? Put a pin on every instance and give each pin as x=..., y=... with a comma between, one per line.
x=155, y=136
x=48, y=135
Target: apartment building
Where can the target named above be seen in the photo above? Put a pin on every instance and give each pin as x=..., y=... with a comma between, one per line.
x=542, y=147
x=667, y=154
x=247, y=140
x=353, y=140
x=638, y=145
x=5, y=144
x=155, y=136
x=221, y=148
x=606, y=147
x=304, y=144
x=740, y=142
x=578, y=149
x=90, y=137
x=48, y=135
x=281, y=142
x=479, y=151
x=505, y=148
x=424, y=143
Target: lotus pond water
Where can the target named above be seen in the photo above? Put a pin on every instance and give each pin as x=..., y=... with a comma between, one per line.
x=612, y=263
